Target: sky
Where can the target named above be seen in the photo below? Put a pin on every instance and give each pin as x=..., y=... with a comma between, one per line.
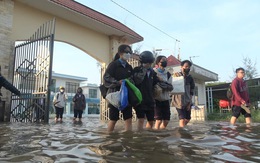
x=214, y=34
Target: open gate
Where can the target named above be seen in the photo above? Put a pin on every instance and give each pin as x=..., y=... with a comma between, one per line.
x=32, y=76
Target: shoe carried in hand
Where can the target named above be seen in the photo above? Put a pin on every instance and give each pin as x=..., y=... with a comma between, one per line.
x=246, y=108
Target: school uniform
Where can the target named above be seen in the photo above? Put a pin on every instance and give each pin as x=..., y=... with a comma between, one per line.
x=145, y=80
x=116, y=71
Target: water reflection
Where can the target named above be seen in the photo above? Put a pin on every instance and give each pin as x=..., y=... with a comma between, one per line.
x=89, y=142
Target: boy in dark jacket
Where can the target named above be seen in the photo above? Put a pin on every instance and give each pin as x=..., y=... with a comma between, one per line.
x=145, y=79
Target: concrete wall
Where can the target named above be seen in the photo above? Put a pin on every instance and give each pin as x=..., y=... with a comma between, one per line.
x=27, y=20
x=6, y=48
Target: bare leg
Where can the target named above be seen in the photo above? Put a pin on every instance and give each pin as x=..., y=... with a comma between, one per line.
x=111, y=126
x=164, y=124
x=248, y=120
x=186, y=121
x=140, y=124
x=149, y=125
x=233, y=120
x=157, y=124
x=181, y=122
x=128, y=124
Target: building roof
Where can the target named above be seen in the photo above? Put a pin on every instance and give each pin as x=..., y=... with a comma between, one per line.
x=97, y=16
x=173, y=61
x=196, y=71
x=57, y=75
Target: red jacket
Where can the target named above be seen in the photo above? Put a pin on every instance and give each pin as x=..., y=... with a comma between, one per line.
x=240, y=92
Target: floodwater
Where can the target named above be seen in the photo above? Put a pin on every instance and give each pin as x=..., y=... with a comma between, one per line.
x=89, y=142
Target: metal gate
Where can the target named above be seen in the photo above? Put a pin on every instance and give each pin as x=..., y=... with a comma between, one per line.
x=32, y=76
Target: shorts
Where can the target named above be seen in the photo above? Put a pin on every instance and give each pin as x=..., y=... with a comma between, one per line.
x=236, y=110
x=184, y=113
x=143, y=111
x=114, y=113
x=162, y=110
x=78, y=113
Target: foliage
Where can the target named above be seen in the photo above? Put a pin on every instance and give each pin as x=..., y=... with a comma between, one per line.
x=250, y=68
x=217, y=116
x=137, y=49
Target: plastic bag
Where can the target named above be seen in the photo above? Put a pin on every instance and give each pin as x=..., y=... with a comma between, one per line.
x=178, y=84
x=136, y=91
x=123, y=96
x=114, y=98
x=157, y=91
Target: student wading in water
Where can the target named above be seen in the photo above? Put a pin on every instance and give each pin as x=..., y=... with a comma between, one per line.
x=240, y=99
x=59, y=102
x=183, y=102
x=162, y=99
x=116, y=71
x=79, y=104
x=145, y=79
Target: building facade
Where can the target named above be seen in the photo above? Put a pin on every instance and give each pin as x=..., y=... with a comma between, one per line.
x=71, y=84
x=200, y=76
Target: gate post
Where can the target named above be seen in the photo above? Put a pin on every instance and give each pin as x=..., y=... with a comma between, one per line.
x=2, y=110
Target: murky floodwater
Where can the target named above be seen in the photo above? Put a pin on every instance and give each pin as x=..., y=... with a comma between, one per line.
x=89, y=142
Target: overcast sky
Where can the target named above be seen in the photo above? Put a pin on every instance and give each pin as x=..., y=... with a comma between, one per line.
x=215, y=34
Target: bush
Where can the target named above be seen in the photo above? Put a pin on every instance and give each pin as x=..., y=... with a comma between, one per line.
x=216, y=116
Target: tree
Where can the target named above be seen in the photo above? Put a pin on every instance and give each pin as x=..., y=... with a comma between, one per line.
x=250, y=68
x=137, y=49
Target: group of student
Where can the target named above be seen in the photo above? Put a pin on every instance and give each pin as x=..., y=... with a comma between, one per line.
x=154, y=107
x=59, y=102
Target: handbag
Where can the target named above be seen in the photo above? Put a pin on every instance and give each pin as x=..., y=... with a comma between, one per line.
x=157, y=91
x=103, y=90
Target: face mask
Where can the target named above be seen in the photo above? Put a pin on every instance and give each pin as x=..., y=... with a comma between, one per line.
x=126, y=56
x=146, y=65
x=61, y=91
x=186, y=71
x=160, y=70
x=164, y=63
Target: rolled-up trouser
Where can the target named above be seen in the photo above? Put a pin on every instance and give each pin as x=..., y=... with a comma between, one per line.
x=59, y=112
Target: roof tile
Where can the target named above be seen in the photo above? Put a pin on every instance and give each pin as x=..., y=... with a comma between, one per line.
x=82, y=9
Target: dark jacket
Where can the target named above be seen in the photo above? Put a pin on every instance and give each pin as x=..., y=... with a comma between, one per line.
x=240, y=92
x=114, y=73
x=79, y=101
x=145, y=84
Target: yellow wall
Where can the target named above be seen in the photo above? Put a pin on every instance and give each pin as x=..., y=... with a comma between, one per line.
x=26, y=21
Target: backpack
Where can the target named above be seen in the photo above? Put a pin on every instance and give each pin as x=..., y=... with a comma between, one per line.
x=229, y=92
x=169, y=75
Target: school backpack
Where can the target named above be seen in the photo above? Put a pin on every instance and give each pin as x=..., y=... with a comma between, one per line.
x=229, y=92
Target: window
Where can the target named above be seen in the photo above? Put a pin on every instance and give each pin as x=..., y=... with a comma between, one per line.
x=92, y=93
x=196, y=91
x=71, y=87
x=93, y=108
